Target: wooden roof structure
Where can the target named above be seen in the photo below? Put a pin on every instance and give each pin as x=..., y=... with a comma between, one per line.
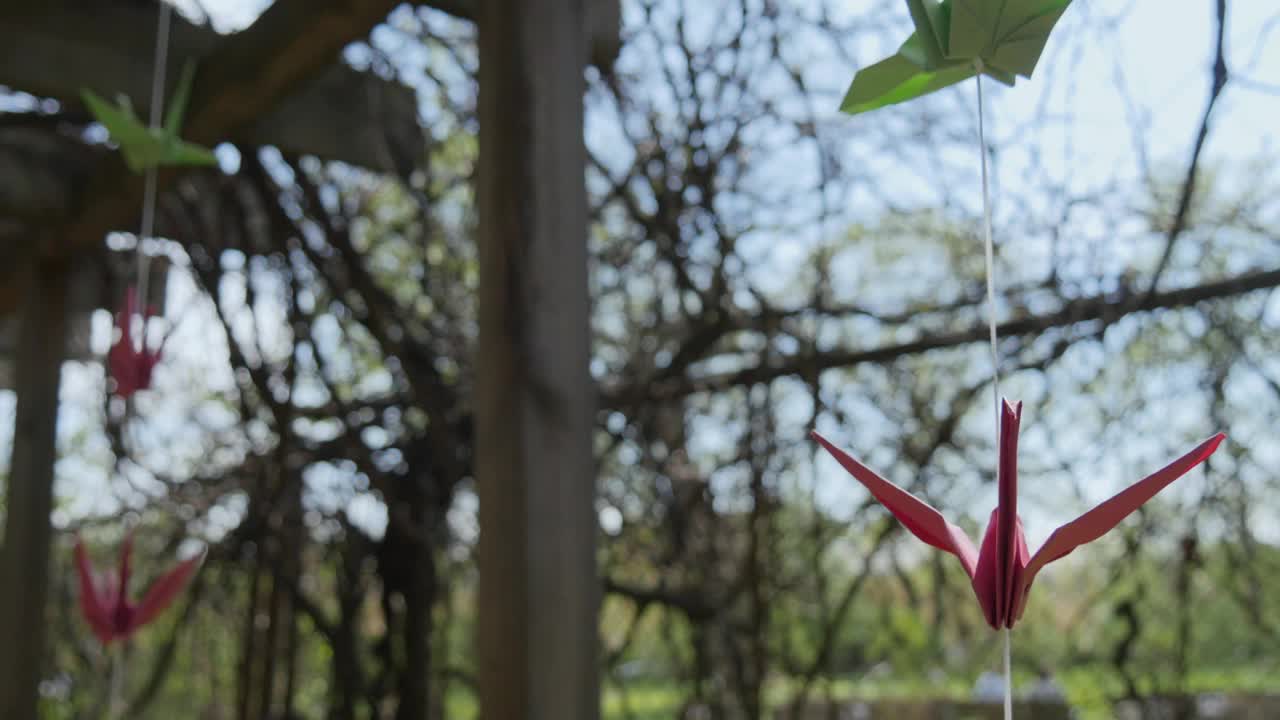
x=266, y=85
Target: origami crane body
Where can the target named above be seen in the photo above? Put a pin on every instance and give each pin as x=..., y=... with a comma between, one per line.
x=1002, y=571
x=145, y=147
x=953, y=41
x=131, y=366
x=104, y=599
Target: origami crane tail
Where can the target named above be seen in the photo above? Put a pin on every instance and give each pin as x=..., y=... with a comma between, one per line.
x=997, y=582
x=999, y=588
x=125, y=317
x=148, y=312
x=163, y=592
x=930, y=38
x=898, y=79
x=1101, y=519
x=919, y=517
x=93, y=605
x=1011, y=543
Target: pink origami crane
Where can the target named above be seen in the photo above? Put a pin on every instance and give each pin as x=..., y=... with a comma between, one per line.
x=130, y=366
x=1002, y=571
x=104, y=598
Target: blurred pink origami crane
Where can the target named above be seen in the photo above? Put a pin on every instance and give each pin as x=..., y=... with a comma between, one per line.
x=1002, y=571
x=104, y=597
x=131, y=366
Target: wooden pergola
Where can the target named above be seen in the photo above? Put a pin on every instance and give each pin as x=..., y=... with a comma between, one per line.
x=263, y=86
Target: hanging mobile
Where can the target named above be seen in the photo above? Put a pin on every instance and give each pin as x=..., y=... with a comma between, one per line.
x=145, y=149
x=956, y=40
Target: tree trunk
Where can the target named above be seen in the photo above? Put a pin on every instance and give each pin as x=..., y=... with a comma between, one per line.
x=406, y=566
x=24, y=562
x=539, y=591
x=268, y=654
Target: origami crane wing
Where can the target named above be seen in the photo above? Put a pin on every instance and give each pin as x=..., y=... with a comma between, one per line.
x=143, y=147
x=898, y=79
x=1007, y=36
x=176, y=150
x=181, y=152
x=920, y=66
x=918, y=516
x=1100, y=520
x=95, y=596
x=166, y=589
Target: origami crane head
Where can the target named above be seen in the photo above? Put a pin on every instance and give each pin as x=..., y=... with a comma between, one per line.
x=955, y=40
x=131, y=366
x=104, y=599
x=145, y=147
x=1003, y=570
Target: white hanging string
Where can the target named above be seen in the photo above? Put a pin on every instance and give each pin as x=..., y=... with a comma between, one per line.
x=995, y=351
x=1008, y=675
x=149, y=188
x=990, y=251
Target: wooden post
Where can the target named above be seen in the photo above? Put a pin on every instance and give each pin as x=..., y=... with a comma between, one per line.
x=24, y=561
x=539, y=593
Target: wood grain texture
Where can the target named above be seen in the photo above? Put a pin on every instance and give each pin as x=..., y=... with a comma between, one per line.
x=24, y=561
x=539, y=590
x=243, y=79
x=335, y=114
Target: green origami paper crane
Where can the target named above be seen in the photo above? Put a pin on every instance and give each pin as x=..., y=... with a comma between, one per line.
x=955, y=40
x=146, y=147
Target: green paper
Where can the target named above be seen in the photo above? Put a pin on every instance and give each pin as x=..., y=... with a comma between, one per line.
x=952, y=41
x=143, y=147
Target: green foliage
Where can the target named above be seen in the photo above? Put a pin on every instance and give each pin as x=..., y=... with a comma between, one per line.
x=890, y=647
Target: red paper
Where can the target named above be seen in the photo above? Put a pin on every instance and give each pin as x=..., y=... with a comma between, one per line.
x=130, y=366
x=104, y=599
x=1002, y=571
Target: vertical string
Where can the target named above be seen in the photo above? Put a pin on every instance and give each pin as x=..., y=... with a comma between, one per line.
x=1008, y=674
x=115, y=683
x=990, y=252
x=995, y=350
x=149, y=187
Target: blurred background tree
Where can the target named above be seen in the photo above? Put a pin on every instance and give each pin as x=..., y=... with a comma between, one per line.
x=760, y=267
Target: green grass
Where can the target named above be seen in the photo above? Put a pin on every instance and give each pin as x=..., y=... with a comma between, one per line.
x=1087, y=689
x=642, y=702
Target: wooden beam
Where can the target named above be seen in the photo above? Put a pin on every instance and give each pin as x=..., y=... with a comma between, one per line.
x=603, y=32
x=41, y=174
x=244, y=79
x=24, y=560
x=462, y=9
x=336, y=113
x=602, y=29
x=538, y=594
